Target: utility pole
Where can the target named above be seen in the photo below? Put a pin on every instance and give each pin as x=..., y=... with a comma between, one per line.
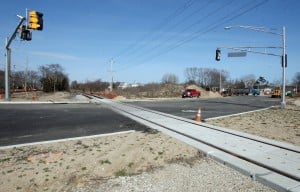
x=111, y=75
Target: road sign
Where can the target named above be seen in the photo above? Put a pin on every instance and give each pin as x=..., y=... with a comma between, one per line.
x=237, y=54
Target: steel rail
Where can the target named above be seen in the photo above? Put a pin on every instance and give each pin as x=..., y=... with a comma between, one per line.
x=260, y=164
x=212, y=128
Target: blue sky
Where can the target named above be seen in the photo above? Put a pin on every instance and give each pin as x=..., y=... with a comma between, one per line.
x=149, y=38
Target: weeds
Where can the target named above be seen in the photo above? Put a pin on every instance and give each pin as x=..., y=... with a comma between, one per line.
x=130, y=164
x=121, y=173
x=105, y=162
x=4, y=160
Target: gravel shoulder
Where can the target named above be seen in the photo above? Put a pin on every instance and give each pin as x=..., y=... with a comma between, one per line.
x=140, y=161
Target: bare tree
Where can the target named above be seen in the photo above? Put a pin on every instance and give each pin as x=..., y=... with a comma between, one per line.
x=27, y=80
x=296, y=80
x=191, y=74
x=2, y=79
x=249, y=80
x=206, y=77
x=170, y=78
x=53, y=78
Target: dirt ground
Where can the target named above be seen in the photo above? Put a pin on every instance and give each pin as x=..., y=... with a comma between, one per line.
x=274, y=123
x=65, y=166
x=69, y=165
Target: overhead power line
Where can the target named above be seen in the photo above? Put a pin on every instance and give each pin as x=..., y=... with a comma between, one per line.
x=204, y=30
x=151, y=34
x=161, y=43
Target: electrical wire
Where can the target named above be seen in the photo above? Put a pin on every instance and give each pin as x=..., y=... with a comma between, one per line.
x=161, y=43
x=220, y=21
x=152, y=49
x=136, y=45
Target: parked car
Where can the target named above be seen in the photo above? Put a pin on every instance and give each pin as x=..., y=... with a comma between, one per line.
x=191, y=93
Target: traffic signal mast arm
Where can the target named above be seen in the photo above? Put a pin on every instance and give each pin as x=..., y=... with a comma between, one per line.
x=15, y=32
x=248, y=49
x=36, y=22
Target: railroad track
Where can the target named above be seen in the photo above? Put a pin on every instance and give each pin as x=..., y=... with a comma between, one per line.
x=273, y=163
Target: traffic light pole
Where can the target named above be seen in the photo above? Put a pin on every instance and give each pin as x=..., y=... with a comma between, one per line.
x=8, y=59
x=283, y=103
x=283, y=56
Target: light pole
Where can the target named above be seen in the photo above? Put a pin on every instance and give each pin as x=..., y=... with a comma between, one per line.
x=264, y=30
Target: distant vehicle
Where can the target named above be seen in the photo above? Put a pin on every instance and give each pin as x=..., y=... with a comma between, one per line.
x=240, y=91
x=289, y=93
x=227, y=92
x=255, y=92
x=191, y=93
x=276, y=92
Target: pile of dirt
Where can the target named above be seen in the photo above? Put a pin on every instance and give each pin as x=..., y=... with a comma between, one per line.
x=162, y=91
x=204, y=93
x=42, y=96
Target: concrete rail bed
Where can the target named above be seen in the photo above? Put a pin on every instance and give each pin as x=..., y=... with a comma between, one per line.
x=272, y=163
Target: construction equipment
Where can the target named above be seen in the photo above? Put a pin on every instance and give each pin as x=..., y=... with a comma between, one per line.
x=276, y=92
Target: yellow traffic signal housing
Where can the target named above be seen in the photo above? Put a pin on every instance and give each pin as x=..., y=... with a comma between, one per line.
x=35, y=20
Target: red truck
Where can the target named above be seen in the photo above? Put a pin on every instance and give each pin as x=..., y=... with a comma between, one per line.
x=191, y=93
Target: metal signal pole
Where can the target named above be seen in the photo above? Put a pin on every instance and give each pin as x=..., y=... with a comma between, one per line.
x=111, y=75
x=8, y=59
x=283, y=56
x=283, y=103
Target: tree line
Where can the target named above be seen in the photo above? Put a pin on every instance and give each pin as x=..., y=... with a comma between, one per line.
x=212, y=78
x=48, y=78
x=51, y=78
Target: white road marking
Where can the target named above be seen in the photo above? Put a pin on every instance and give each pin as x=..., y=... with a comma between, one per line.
x=67, y=139
x=189, y=111
x=237, y=114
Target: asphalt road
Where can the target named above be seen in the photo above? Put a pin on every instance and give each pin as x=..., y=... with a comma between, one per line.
x=216, y=107
x=25, y=123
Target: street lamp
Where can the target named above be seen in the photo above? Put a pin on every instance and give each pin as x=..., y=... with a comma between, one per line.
x=264, y=30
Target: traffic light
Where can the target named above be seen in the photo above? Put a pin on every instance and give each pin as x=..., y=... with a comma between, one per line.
x=25, y=33
x=35, y=20
x=285, y=60
x=218, y=55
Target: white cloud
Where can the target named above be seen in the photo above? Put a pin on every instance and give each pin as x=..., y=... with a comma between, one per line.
x=56, y=55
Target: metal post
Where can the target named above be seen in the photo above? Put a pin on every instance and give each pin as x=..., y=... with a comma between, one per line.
x=8, y=59
x=283, y=56
x=283, y=104
x=220, y=83
x=7, y=72
x=111, y=75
